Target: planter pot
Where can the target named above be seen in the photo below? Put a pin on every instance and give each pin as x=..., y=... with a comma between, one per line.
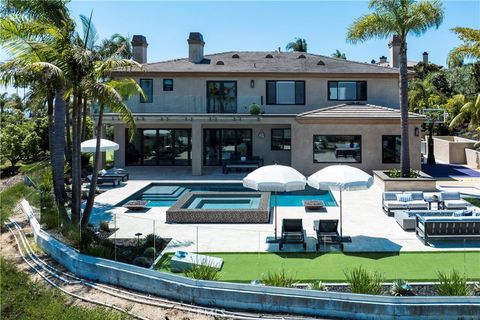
x=473, y=158
x=423, y=183
x=450, y=149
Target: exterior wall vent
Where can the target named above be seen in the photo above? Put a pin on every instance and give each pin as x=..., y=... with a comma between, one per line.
x=269, y=56
x=235, y=56
x=320, y=63
x=302, y=56
x=220, y=63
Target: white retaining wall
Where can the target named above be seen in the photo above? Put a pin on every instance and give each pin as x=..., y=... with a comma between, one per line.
x=252, y=298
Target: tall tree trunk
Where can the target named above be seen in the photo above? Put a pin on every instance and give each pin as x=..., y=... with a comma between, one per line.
x=57, y=149
x=68, y=137
x=84, y=119
x=93, y=183
x=76, y=160
x=403, y=88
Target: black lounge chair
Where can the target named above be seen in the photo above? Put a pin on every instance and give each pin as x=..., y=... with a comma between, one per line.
x=327, y=232
x=293, y=232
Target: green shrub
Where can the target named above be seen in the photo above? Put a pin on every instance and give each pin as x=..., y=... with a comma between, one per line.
x=279, y=278
x=393, y=173
x=104, y=226
x=363, y=281
x=99, y=250
x=401, y=288
x=318, y=285
x=148, y=242
x=255, y=109
x=203, y=272
x=149, y=252
x=142, y=262
x=451, y=284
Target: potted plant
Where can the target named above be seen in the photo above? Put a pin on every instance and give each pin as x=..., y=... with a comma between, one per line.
x=255, y=109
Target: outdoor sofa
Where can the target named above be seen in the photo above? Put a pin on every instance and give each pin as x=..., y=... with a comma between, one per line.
x=327, y=232
x=406, y=218
x=411, y=200
x=249, y=164
x=451, y=200
x=293, y=232
x=116, y=172
x=447, y=228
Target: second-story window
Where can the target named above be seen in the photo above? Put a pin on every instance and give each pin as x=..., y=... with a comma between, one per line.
x=167, y=84
x=347, y=90
x=147, y=87
x=285, y=92
x=221, y=96
x=281, y=139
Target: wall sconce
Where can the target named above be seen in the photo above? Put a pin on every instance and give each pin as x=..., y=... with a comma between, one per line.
x=261, y=134
x=417, y=131
x=252, y=83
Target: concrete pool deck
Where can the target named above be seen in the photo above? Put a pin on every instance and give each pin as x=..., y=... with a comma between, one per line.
x=363, y=220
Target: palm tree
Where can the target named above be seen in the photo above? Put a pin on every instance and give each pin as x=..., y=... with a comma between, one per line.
x=398, y=18
x=118, y=45
x=36, y=45
x=299, y=45
x=469, y=112
x=470, y=47
x=339, y=55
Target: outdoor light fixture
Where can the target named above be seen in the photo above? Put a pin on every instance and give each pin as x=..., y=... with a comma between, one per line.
x=138, y=234
x=261, y=134
x=252, y=83
x=417, y=131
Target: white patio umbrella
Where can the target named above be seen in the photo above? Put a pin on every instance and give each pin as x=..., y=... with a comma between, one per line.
x=340, y=177
x=275, y=178
x=105, y=145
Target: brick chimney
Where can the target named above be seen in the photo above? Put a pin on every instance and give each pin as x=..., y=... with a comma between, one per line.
x=139, y=48
x=425, y=57
x=394, y=46
x=195, y=47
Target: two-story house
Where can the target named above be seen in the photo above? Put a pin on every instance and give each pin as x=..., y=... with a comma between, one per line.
x=315, y=111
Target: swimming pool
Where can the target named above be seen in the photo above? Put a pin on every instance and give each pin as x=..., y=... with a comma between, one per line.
x=166, y=194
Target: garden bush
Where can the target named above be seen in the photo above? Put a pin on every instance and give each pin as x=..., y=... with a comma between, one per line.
x=362, y=281
x=401, y=288
x=149, y=252
x=318, y=285
x=99, y=250
x=279, y=278
x=255, y=109
x=203, y=272
x=104, y=226
x=148, y=242
x=142, y=262
x=451, y=284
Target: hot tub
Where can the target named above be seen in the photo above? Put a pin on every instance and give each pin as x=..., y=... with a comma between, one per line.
x=221, y=207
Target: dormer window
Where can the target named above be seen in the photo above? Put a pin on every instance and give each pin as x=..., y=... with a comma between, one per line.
x=235, y=56
x=301, y=57
x=220, y=63
x=320, y=63
x=269, y=56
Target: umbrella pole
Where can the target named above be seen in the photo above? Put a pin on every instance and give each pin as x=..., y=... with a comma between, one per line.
x=275, y=212
x=341, y=213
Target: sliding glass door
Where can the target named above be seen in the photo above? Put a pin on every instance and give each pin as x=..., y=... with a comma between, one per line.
x=159, y=147
x=226, y=144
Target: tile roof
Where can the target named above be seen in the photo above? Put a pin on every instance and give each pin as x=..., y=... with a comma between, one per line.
x=257, y=62
x=356, y=111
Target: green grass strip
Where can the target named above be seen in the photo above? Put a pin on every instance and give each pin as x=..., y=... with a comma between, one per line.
x=330, y=267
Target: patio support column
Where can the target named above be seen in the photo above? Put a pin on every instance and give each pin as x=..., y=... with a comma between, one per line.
x=197, y=148
x=119, y=137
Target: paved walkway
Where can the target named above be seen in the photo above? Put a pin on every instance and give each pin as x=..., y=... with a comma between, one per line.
x=363, y=219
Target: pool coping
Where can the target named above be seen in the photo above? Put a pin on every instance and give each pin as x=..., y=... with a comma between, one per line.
x=179, y=214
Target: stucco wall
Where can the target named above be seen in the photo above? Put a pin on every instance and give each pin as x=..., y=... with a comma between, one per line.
x=189, y=94
x=371, y=159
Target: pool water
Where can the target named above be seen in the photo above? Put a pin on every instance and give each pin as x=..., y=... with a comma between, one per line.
x=165, y=195
x=200, y=202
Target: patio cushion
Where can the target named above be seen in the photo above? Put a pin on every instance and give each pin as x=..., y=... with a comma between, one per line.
x=449, y=196
x=404, y=197
x=395, y=204
x=417, y=195
x=455, y=204
x=417, y=204
x=390, y=196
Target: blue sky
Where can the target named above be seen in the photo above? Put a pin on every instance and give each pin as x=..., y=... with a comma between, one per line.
x=263, y=25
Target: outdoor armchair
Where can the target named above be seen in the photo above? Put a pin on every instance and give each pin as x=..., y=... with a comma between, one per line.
x=327, y=231
x=293, y=232
x=452, y=200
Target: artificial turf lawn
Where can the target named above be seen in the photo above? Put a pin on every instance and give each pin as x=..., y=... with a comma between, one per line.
x=307, y=267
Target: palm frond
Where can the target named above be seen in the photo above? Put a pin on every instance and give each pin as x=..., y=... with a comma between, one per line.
x=370, y=26
x=90, y=35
